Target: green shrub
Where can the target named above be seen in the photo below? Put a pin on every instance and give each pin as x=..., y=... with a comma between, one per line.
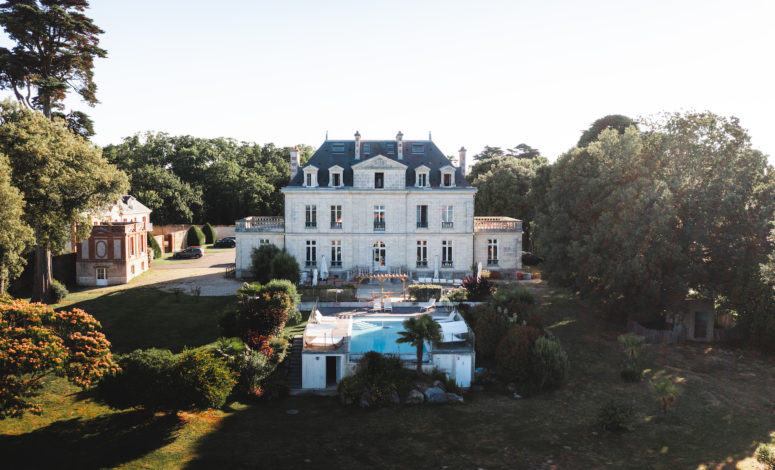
x=515, y=351
x=518, y=303
x=459, y=295
x=145, y=380
x=632, y=345
x=549, y=364
x=264, y=310
x=285, y=266
x=424, y=292
x=261, y=262
x=490, y=327
x=286, y=286
x=378, y=377
x=155, y=248
x=254, y=368
x=195, y=236
x=210, y=233
x=616, y=417
x=479, y=290
x=59, y=291
x=765, y=455
x=202, y=380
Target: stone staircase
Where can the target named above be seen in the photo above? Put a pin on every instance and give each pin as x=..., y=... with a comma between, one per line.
x=294, y=364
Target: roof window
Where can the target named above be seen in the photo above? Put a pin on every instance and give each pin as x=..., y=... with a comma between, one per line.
x=418, y=148
x=337, y=148
x=391, y=147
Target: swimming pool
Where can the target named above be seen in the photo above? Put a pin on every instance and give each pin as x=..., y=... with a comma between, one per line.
x=379, y=335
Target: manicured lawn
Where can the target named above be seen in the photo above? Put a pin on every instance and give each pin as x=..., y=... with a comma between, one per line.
x=145, y=317
x=725, y=409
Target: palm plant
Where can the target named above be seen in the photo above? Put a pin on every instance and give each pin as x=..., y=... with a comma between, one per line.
x=417, y=330
x=666, y=391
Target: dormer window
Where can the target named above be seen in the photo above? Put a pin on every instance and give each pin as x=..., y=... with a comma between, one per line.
x=337, y=148
x=448, y=177
x=310, y=176
x=390, y=147
x=418, y=148
x=366, y=149
x=422, y=176
x=379, y=180
x=335, y=179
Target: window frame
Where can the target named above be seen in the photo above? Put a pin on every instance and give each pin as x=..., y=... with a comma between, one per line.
x=415, y=148
x=492, y=252
x=337, y=147
x=311, y=254
x=422, y=216
x=310, y=216
x=379, y=218
x=336, y=216
x=447, y=254
x=379, y=180
x=422, y=253
x=336, y=253
x=448, y=216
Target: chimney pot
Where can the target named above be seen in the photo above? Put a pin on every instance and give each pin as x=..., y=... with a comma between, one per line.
x=400, y=145
x=357, y=145
x=462, y=161
x=295, y=162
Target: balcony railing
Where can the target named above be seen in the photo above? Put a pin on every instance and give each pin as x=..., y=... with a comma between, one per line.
x=422, y=264
x=260, y=224
x=497, y=224
x=446, y=264
x=311, y=225
x=492, y=262
x=310, y=264
x=422, y=224
x=336, y=264
x=336, y=225
x=447, y=224
x=379, y=226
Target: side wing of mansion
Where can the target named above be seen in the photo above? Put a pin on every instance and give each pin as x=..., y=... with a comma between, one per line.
x=383, y=206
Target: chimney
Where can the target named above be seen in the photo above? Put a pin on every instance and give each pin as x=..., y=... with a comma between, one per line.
x=400, y=145
x=462, y=161
x=357, y=145
x=294, y=162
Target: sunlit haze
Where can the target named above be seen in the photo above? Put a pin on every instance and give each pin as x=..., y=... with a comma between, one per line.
x=472, y=73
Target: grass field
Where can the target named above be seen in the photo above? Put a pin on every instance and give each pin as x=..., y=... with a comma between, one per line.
x=725, y=409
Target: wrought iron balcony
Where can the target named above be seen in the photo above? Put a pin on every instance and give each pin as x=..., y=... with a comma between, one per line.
x=492, y=262
x=379, y=226
x=336, y=225
x=422, y=264
x=446, y=264
x=311, y=225
x=447, y=224
x=422, y=224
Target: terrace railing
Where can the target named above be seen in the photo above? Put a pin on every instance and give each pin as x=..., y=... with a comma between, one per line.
x=260, y=224
x=497, y=224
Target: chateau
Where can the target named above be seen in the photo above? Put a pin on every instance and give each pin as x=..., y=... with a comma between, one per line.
x=395, y=206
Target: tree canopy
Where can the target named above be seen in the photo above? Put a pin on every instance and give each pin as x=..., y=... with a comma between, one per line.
x=612, y=121
x=636, y=220
x=186, y=179
x=35, y=341
x=15, y=235
x=62, y=177
x=56, y=44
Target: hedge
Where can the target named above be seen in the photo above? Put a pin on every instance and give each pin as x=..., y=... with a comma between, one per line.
x=195, y=236
x=154, y=246
x=424, y=292
x=210, y=234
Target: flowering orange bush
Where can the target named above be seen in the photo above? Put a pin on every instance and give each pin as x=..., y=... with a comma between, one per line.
x=35, y=340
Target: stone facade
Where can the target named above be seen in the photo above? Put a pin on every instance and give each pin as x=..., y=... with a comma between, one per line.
x=412, y=212
x=113, y=254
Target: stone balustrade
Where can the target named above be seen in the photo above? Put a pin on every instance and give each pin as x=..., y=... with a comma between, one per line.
x=497, y=224
x=261, y=224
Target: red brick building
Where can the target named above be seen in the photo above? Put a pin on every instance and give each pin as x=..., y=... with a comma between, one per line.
x=117, y=249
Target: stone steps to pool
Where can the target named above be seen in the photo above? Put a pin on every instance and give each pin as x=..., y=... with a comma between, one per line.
x=294, y=363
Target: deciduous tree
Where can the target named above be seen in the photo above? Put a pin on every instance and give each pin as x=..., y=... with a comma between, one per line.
x=62, y=177
x=15, y=235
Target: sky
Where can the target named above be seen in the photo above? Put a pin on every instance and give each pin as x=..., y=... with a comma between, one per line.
x=473, y=73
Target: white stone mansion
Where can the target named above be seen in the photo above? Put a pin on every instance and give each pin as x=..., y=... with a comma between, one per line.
x=383, y=205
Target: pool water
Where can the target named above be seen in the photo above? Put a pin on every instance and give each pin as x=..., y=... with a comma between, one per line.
x=380, y=336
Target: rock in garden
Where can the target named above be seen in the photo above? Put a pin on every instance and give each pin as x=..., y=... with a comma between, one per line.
x=421, y=386
x=439, y=384
x=454, y=398
x=364, y=402
x=415, y=397
x=435, y=395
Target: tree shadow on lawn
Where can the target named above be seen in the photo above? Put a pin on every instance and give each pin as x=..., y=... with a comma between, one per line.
x=105, y=441
x=145, y=317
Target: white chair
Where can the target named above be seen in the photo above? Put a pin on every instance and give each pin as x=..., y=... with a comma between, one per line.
x=376, y=305
x=428, y=305
x=388, y=305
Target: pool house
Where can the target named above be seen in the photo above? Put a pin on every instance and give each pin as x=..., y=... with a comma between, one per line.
x=337, y=336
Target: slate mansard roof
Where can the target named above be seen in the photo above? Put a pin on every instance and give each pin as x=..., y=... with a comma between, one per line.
x=325, y=157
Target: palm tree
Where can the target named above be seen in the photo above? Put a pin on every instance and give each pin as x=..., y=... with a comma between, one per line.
x=666, y=391
x=417, y=330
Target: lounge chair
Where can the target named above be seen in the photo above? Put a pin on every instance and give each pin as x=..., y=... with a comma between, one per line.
x=425, y=306
x=388, y=306
x=449, y=318
x=376, y=305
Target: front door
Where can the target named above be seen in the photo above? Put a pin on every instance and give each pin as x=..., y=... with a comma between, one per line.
x=330, y=371
x=102, y=276
x=378, y=260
